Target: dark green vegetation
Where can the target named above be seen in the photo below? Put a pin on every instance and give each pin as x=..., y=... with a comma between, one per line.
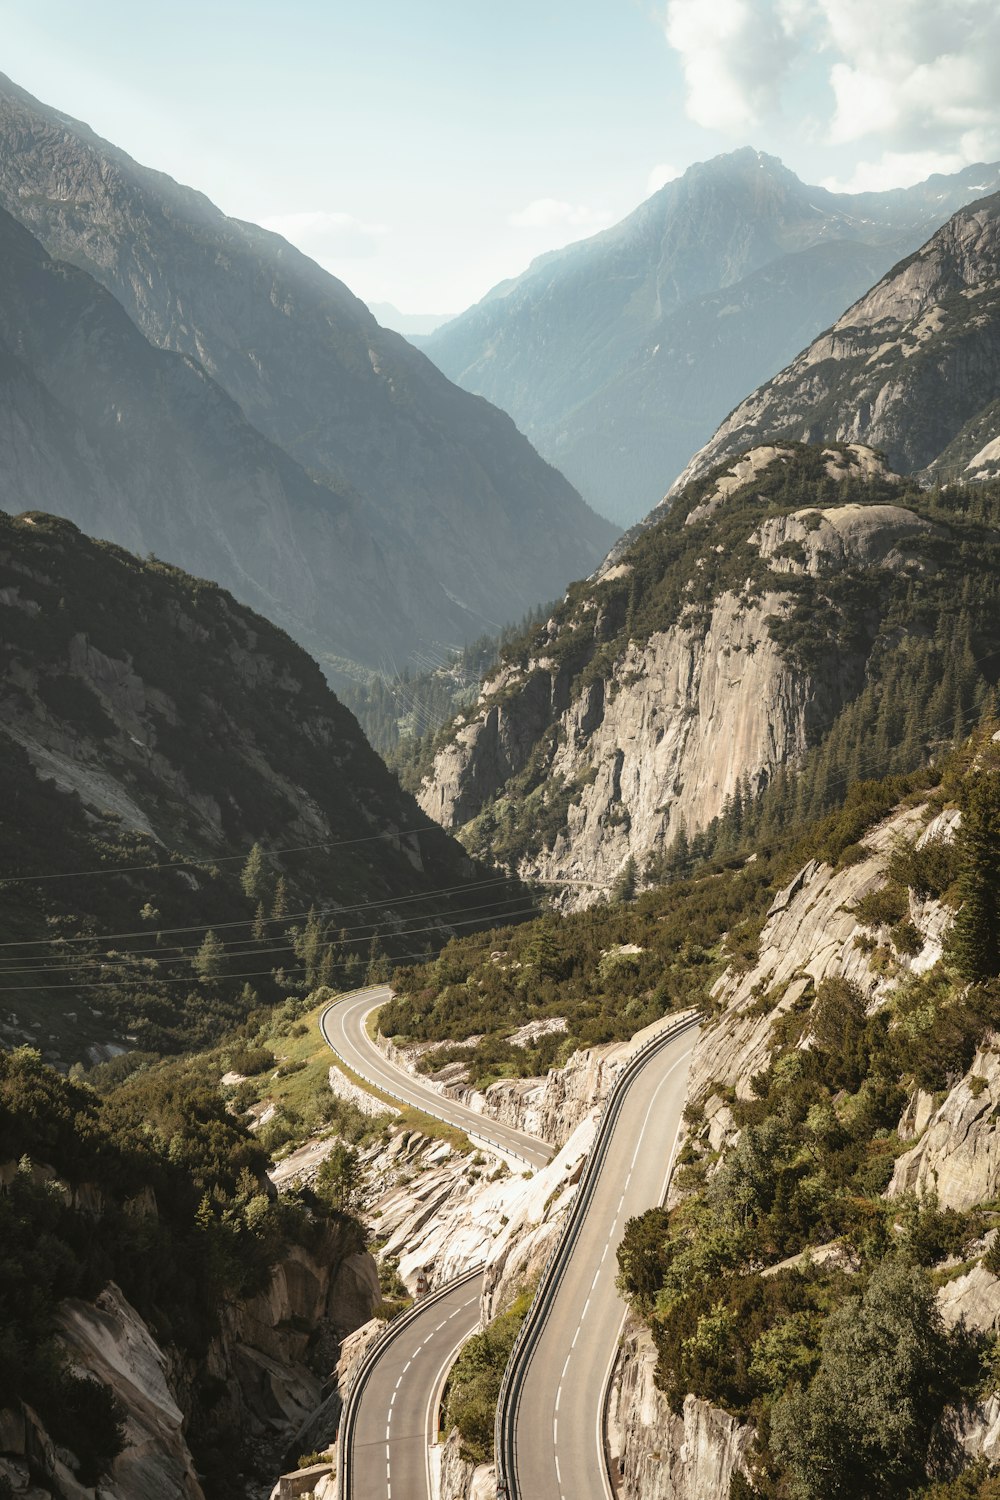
x=582, y=967
x=470, y=1401
x=842, y=1363
x=607, y=972
x=284, y=856
x=902, y=658
x=401, y=715
x=160, y=1188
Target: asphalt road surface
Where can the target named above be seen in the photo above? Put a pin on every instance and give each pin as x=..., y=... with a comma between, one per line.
x=559, y=1435
x=392, y=1431
x=559, y=1443
x=343, y=1026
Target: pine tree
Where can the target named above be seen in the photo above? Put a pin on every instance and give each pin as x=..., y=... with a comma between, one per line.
x=975, y=937
x=379, y=967
x=254, y=878
x=279, y=907
x=208, y=961
x=259, y=929
x=624, y=886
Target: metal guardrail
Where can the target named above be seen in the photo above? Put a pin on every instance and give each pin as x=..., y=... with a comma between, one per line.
x=362, y=1375
x=475, y=1136
x=514, y=1374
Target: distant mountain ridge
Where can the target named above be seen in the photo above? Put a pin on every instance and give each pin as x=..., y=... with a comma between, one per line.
x=431, y=498
x=913, y=367
x=618, y=355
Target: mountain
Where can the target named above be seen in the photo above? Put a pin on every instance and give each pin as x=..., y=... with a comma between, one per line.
x=138, y=444
x=913, y=367
x=798, y=620
x=445, y=515
x=152, y=732
x=407, y=323
x=619, y=355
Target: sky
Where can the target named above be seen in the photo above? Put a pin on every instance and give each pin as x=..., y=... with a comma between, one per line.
x=423, y=150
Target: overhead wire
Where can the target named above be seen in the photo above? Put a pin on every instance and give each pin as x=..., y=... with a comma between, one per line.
x=178, y=953
x=333, y=910
x=245, y=974
x=221, y=859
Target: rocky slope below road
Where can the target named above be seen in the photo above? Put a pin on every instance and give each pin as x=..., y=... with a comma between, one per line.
x=913, y=368
x=427, y=502
x=711, y=650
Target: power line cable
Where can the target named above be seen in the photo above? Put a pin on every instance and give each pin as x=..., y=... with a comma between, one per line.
x=181, y=953
x=333, y=911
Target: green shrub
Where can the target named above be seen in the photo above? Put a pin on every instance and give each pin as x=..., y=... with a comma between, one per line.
x=252, y=1061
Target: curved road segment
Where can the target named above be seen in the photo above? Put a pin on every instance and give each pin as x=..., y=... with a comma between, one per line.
x=343, y=1027
x=393, y=1427
x=559, y=1426
x=559, y=1441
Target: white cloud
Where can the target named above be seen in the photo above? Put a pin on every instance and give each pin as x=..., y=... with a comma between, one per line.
x=913, y=79
x=328, y=236
x=659, y=176
x=895, y=169
x=554, y=213
x=734, y=54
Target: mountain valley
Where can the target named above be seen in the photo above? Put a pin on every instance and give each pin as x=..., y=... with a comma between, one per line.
x=348, y=469
x=577, y=1073
x=619, y=355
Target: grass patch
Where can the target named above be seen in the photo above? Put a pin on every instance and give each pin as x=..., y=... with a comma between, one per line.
x=409, y=1117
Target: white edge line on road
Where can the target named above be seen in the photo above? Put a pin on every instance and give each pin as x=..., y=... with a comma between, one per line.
x=417, y=1102
x=437, y=1391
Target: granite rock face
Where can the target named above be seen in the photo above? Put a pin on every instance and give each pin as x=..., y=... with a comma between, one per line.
x=660, y=738
x=658, y=1454
x=958, y=1155
x=912, y=368
x=265, y=1361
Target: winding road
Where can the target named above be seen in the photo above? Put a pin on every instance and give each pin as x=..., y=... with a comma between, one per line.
x=554, y=1419
x=556, y=1449
x=344, y=1029
x=390, y=1419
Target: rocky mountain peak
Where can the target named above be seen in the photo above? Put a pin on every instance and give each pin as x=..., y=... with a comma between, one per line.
x=617, y=353
x=912, y=367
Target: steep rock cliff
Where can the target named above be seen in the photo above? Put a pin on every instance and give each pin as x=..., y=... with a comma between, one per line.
x=266, y=1367
x=685, y=673
x=659, y=1454
x=913, y=367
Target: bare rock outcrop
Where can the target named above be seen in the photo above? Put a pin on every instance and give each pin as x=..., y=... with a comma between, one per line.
x=108, y=1339
x=958, y=1155
x=809, y=936
x=679, y=721
x=913, y=367
x=662, y=1455
x=462, y=1480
